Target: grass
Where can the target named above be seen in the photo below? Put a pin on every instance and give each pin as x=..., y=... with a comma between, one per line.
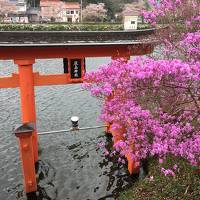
x=184, y=186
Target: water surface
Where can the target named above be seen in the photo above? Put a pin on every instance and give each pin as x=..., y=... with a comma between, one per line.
x=71, y=165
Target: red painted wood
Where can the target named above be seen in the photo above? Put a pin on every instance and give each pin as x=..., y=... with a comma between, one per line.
x=26, y=83
x=25, y=57
x=74, y=52
x=28, y=164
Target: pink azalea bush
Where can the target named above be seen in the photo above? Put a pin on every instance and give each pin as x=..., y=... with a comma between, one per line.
x=157, y=100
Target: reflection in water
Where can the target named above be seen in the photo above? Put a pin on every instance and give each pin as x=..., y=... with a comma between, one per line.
x=71, y=166
x=118, y=178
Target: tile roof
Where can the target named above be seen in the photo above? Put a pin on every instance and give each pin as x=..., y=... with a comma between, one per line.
x=72, y=5
x=67, y=5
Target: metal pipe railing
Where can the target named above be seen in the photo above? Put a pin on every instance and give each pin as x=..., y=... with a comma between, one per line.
x=70, y=130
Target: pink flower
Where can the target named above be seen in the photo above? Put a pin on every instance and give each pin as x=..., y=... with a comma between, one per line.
x=151, y=178
x=106, y=152
x=167, y=172
x=101, y=144
x=175, y=167
x=154, y=99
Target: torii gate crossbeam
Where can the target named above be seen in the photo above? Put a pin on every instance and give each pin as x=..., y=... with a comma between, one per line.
x=24, y=55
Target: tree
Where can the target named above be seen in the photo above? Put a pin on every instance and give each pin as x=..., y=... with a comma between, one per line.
x=132, y=8
x=7, y=8
x=95, y=13
x=157, y=99
x=112, y=6
x=33, y=3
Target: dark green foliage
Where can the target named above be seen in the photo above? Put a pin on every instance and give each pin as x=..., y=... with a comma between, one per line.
x=60, y=27
x=66, y=27
x=185, y=185
x=34, y=3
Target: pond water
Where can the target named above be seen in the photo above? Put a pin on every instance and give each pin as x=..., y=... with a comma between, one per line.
x=71, y=165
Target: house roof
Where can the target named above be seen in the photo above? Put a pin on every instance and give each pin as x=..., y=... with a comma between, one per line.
x=66, y=5
x=72, y=5
x=50, y=0
x=8, y=7
x=49, y=3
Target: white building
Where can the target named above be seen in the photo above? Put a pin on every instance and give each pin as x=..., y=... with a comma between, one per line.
x=25, y=11
x=59, y=11
x=130, y=22
x=71, y=12
x=13, y=11
x=21, y=6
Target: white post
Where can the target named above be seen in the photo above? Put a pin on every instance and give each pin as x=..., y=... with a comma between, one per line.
x=81, y=10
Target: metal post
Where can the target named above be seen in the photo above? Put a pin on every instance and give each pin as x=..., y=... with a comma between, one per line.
x=26, y=83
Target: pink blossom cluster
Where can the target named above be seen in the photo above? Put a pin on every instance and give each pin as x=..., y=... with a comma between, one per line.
x=169, y=10
x=167, y=172
x=157, y=100
x=95, y=12
x=160, y=8
x=183, y=19
x=154, y=131
x=191, y=45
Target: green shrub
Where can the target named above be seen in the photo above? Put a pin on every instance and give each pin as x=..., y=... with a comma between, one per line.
x=66, y=27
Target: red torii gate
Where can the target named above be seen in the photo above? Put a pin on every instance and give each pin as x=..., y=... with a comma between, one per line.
x=24, y=53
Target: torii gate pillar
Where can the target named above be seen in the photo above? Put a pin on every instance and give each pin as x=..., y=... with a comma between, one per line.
x=26, y=83
x=58, y=45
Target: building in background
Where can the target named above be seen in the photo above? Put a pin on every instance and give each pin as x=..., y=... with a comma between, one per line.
x=21, y=15
x=59, y=11
x=132, y=9
x=21, y=6
x=130, y=22
x=71, y=12
x=50, y=10
x=24, y=11
x=7, y=9
x=12, y=11
x=33, y=10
